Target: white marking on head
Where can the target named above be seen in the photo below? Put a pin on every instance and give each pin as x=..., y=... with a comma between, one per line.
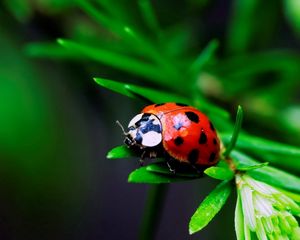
x=147, y=132
x=151, y=139
x=135, y=119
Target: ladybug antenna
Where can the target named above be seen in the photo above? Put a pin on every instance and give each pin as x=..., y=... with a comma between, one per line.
x=121, y=126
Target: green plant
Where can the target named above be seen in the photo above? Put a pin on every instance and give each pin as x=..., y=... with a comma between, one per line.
x=166, y=72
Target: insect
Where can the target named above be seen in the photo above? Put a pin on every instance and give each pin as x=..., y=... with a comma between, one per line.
x=175, y=131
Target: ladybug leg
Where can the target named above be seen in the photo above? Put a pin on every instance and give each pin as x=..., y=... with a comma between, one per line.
x=171, y=168
x=198, y=169
x=142, y=159
x=153, y=154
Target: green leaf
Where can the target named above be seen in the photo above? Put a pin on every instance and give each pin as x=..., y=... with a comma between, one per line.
x=162, y=168
x=204, y=57
x=210, y=206
x=236, y=131
x=219, y=173
x=248, y=65
x=205, y=106
x=239, y=219
x=270, y=175
x=121, y=152
x=135, y=91
x=155, y=95
x=271, y=151
x=50, y=50
x=277, y=178
x=135, y=40
x=256, y=166
x=113, y=59
x=149, y=16
x=114, y=86
x=241, y=25
x=142, y=175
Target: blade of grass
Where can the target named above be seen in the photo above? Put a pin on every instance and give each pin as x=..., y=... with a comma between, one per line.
x=156, y=54
x=50, y=50
x=116, y=60
x=114, y=86
x=270, y=151
x=113, y=8
x=133, y=39
x=206, y=55
x=101, y=18
x=162, y=168
x=267, y=174
x=236, y=131
x=142, y=175
x=242, y=25
x=251, y=64
x=135, y=91
x=210, y=206
x=219, y=173
x=147, y=12
x=155, y=96
x=203, y=104
x=248, y=168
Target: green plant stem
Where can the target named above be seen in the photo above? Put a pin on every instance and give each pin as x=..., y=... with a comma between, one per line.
x=236, y=131
x=154, y=204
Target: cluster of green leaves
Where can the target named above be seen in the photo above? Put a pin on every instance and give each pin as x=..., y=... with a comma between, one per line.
x=159, y=60
x=135, y=43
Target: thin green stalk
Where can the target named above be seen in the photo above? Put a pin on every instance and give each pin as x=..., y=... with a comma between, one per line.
x=152, y=211
x=206, y=54
x=113, y=8
x=116, y=60
x=146, y=47
x=236, y=131
x=135, y=40
x=150, y=18
x=50, y=50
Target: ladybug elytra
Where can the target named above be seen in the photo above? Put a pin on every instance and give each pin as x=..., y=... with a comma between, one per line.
x=176, y=130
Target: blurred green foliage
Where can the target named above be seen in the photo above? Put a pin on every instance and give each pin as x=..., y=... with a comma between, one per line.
x=208, y=54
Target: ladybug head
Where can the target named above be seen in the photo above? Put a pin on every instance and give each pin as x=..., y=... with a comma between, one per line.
x=144, y=130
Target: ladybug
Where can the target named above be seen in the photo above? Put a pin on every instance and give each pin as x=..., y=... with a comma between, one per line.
x=175, y=131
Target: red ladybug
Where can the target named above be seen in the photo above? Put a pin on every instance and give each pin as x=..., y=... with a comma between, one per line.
x=180, y=131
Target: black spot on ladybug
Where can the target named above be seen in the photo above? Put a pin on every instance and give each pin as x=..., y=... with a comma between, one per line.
x=145, y=118
x=215, y=141
x=178, y=125
x=211, y=126
x=159, y=104
x=192, y=116
x=212, y=157
x=181, y=104
x=193, y=156
x=203, y=138
x=178, y=141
